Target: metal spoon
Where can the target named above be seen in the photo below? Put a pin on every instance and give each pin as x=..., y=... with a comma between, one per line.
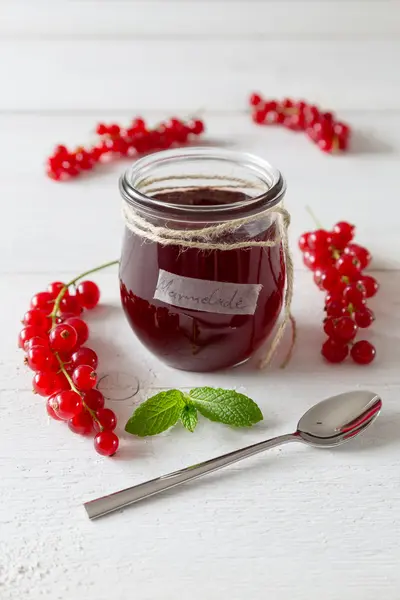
x=327, y=424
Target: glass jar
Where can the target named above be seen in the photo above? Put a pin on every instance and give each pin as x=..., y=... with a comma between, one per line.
x=202, y=309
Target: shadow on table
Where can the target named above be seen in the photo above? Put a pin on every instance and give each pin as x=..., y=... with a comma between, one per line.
x=364, y=142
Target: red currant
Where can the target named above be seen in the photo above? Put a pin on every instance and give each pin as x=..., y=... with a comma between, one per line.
x=40, y=358
x=27, y=333
x=70, y=304
x=61, y=383
x=363, y=352
x=196, y=127
x=334, y=352
x=329, y=326
x=85, y=356
x=37, y=318
x=327, y=279
x=81, y=423
x=364, y=317
x=93, y=399
x=88, y=294
x=317, y=260
x=106, y=443
x=348, y=266
x=106, y=419
x=303, y=242
x=335, y=308
x=355, y=294
x=255, y=99
x=370, y=284
x=44, y=383
x=43, y=301
x=360, y=253
x=344, y=230
x=55, y=288
x=63, y=338
x=80, y=327
x=84, y=377
x=36, y=341
x=319, y=240
x=50, y=410
x=259, y=116
x=66, y=404
x=345, y=329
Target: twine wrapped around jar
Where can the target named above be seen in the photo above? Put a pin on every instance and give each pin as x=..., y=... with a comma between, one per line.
x=209, y=238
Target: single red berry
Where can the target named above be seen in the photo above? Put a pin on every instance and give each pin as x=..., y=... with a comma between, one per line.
x=259, y=116
x=44, y=383
x=27, y=333
x=63, y=338
x=355, y=294
x=303, y=242
x=319, y=240
x=66, y=404
x=341, y=130
x=337, y=241
x=106, y=419
x=329, y=326
x=334, y=352
x=85, y=356
x=37, y=318
x=43, y=301
x=55, y=288
x=349, y=266
x=335, y=308
x=50, y=410
x=196, y=127
x=344, y=230
x=36, y=341
x=80, y=327
x=60, y=150
x=40, y=358
x=325, y=144
x=364, y=317
x=114, y=129
x=287, y=103
x=84, y=377
x=70, y=304
x=101, y=129
x=370, y=284
x=344, y=329
x=139, y=124
x=327, y=279
x=82, y=423
x=106, y=443
x=317, y=260
x=255, y=99
x=93, y=399
x=360, y=253
x=363, y=352
x=88, y=294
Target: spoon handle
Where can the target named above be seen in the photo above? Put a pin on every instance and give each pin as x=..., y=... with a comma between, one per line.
x=106, y=504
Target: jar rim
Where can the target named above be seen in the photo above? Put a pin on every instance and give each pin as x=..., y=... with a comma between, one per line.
x=258, y=166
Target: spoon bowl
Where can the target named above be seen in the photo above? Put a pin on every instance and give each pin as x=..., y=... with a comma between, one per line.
x=338, y=419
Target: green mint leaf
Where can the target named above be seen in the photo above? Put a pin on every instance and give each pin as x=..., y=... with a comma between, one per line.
x=226, y=406
x=158, y=413
x=189, y=417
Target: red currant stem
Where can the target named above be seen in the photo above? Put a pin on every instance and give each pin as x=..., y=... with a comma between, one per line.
x=318, y=223
x=292, y=342
x=63, y=290
x=75, y=389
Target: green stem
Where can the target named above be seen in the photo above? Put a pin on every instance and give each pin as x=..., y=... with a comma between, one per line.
x=314, y=218
x=63, y=290
x=75, y=389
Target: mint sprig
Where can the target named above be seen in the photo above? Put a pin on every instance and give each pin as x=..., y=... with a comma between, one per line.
x=165, y=409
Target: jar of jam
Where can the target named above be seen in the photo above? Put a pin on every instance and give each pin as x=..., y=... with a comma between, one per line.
x=202, y=271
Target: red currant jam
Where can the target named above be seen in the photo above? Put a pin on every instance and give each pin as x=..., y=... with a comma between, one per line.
x=202, y=310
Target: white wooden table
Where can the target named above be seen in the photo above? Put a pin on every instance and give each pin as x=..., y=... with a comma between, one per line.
x=294, y=523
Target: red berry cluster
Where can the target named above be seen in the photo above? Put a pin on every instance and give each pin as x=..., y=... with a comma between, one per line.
x=116, y=141
x=338, y=266
x=321, y=127
x=53, y=339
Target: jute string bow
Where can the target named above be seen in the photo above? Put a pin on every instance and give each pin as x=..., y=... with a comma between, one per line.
x=212, y=238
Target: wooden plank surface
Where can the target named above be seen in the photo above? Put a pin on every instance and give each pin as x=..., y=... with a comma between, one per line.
x=295, y=523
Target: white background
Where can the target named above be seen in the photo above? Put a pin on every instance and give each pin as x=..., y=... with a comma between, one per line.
x=295, y=523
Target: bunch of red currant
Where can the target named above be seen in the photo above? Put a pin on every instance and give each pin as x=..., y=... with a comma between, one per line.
x=116, y=141
x=321, y=127
x=53, y=339
x=338, y=266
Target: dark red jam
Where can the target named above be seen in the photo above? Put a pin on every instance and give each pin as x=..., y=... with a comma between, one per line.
x=201, y=328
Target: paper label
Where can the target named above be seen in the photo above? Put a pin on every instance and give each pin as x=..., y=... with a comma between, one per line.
x=207, y=296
